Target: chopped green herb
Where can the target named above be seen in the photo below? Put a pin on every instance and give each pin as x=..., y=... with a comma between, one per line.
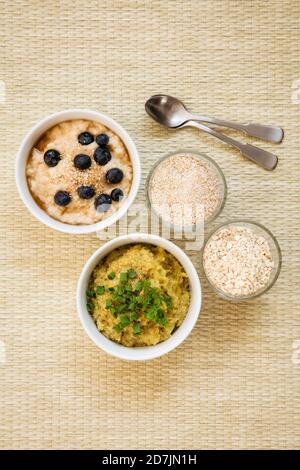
x=111, y=276
x=137, y=329
x=140, y=299
x=129, y=301
x=133, y=316
x=131, y=306
x=123, y=277
x=91, y=293
x=131, y=273
x=114, y=312
x=120, y=290
x=118, y=327
x=122, y=308
x=147, y=285
x=139, y=286
x=161, y=317
x=90, y=306
x=124, y=320
x=168, y=301
x=150, y=314
x=100, y=290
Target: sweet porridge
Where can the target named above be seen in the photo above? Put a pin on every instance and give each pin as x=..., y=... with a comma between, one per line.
x=79, y=172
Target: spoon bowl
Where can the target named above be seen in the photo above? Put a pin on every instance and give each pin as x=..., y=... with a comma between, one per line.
x=167, y=110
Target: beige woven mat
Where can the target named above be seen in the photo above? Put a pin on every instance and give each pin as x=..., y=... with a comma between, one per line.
x=235, y=382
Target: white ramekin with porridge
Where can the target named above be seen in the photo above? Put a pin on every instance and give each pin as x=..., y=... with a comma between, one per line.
x=78, y=171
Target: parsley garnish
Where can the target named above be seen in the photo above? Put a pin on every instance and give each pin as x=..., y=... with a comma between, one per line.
x=90, y=306
x=131, y=273
x=137, y=329
x=131, y=300
x=90, y=293
x=100, y=290
x=123, y=277
x=128, y=302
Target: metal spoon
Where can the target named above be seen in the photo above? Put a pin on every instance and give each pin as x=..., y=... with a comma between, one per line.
x=170, y=112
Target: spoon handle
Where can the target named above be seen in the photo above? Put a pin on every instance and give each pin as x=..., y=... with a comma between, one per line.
x=263, y=158
x=269, y=133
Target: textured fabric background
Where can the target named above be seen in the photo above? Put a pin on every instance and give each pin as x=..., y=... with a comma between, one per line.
x=233, y=383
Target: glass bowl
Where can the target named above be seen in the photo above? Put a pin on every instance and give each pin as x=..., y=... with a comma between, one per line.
x=216, y=170
x=260, y=231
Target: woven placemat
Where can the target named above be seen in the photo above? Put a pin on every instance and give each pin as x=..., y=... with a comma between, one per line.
x=235, y=382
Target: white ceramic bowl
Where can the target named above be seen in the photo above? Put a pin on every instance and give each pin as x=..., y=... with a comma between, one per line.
x=37, y=131
x=147, y=352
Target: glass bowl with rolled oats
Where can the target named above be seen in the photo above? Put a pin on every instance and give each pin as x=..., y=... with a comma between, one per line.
x=241, y=260
x=186, y=189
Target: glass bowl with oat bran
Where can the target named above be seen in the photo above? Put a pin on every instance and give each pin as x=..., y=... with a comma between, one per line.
x=241, y=260
x=185, y=189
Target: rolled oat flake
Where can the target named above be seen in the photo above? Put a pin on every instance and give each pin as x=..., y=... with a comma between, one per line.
x=237, y=261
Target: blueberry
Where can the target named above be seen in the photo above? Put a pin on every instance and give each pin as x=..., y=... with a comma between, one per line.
x=85, y=138
x=114, y=175
x=102, y=203
x=85, y=192
x=82, y=162
x=52, y=157
x=62, y=198
x=102, y=140
x=117, y=194
x=102, y=156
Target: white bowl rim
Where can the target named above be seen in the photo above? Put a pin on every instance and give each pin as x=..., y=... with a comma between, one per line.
x=32, y=136
x=147, y=352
